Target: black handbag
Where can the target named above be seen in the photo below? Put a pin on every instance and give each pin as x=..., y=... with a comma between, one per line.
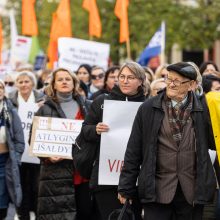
x=125, y=213
x=84, y=155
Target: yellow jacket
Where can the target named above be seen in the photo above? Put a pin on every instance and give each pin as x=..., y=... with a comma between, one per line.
x=213, y=101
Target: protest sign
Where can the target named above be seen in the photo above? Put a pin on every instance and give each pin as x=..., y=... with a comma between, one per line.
x=54, y=136
x=119, y=116
x=21, y=50
x=74, y=52
x=26, y=113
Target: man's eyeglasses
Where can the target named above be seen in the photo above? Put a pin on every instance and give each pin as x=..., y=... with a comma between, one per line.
x=123, y=77
x=176, y=82
x=100, y=76
x=9, y=83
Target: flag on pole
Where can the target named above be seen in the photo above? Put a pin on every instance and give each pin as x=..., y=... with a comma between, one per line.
x=121, y=11
x=155, y=47
x=29, y=21
x=1, y=40
x=60, y=27
x=13, y=28
x=95, y=26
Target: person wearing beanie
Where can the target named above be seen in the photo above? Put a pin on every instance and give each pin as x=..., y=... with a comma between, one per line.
x=168, y=152
x=11, y=148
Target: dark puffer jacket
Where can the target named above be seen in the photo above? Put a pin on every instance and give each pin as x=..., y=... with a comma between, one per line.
x=56, y=199
x=94, y=117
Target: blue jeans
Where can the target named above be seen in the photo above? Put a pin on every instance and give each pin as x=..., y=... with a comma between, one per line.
x=4, y=196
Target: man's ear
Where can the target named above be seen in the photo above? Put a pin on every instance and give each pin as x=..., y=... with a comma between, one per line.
x=192, y=85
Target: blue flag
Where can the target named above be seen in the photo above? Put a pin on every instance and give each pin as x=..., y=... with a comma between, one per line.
x=155, y=47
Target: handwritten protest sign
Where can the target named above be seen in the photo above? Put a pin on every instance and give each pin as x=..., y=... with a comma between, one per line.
x=74, y=52
x=119, y=116
x=26, y=113
x=54, y=136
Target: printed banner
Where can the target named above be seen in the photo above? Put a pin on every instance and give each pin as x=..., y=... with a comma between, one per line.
x=74, y=52
x=119, y=116
x=26, y=113
x=53, y=137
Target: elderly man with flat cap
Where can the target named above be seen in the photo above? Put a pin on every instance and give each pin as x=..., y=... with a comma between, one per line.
x=166, y=163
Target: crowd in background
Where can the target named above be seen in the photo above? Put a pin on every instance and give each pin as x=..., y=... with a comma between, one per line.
x=54, y=189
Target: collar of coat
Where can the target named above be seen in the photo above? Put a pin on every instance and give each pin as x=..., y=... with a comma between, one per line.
x=157, y=102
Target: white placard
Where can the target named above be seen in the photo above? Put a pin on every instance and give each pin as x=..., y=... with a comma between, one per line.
x=54, y=136
x=26, y=113
x=119, y=116
x=73, y=52
x=21, y=50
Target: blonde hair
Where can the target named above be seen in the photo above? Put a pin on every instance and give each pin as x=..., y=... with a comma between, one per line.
x=30, y=75
x=51, y=91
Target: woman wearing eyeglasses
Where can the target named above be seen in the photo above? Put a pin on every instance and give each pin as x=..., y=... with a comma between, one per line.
x=131, y=87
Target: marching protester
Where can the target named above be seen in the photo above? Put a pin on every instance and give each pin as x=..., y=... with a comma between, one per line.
x=97, y=79
x=157, y=85
x=9, y=81
x=168, y=152
x=84, y=74
x=131, y=87
x=23, y=98
x=63, y=193
x=111, y=79
x=11, y=148
x=208, y=67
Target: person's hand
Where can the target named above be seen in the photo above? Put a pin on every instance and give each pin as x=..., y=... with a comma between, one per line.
x=41, y=103
x=55, y=159
x=101, y=127
x=123, y=199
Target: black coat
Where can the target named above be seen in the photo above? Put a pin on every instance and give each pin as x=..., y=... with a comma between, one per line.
x=140, y=156
x=15, y=143
x=95, y=116
x=56, y=199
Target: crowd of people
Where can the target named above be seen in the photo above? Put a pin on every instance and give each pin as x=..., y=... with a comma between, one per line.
x=168, y=173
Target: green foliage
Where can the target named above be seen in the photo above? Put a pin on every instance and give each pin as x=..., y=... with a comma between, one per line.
x=190, y=27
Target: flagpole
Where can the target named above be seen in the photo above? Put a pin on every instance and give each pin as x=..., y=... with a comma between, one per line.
x=128, y=49
x=162, y=55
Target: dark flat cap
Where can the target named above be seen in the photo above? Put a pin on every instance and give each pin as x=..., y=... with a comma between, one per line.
x=184, y=69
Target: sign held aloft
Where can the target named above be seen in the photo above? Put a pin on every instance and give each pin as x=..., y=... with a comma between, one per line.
x=73, y=52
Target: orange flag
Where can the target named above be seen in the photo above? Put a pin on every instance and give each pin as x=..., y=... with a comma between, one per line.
x=29, y=21
x=1, y=41
x=60, y=27
x=121, y=11
x=95, y=26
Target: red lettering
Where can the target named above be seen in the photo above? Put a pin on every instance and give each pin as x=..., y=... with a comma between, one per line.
x=111, y=166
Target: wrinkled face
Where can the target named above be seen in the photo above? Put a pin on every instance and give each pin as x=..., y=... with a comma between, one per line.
x=112, y=79
x=83, y=75
x=2, y=92
x=128, y=83
x=177, y=86
x=215, y=86
x=24, y=85
x=97, y=78
x=209, y=69
x=63, y=82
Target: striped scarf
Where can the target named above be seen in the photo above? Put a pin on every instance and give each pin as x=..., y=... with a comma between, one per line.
x=178, y=118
